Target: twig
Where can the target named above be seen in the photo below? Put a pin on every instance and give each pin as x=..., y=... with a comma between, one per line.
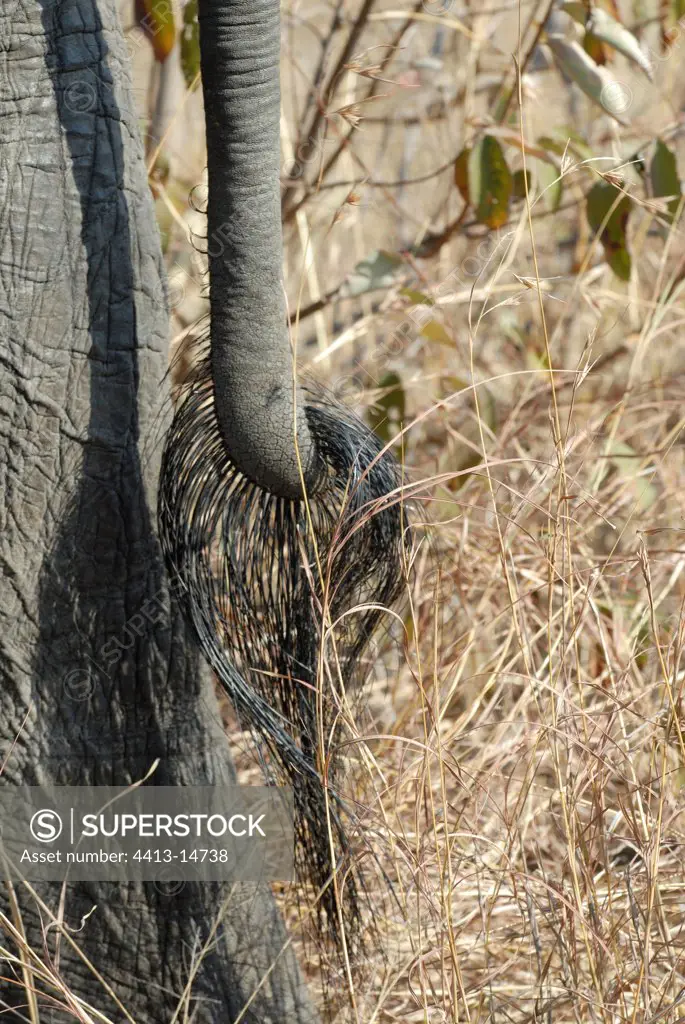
x=319, y=112
x=291, y=210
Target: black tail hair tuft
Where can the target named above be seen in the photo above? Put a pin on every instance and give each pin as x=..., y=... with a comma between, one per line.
x=255, y=572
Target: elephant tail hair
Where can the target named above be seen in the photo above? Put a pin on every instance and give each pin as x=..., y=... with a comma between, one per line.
x=284, y=596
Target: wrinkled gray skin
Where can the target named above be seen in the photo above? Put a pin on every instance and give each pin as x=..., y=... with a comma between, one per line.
x=252, y=365
x=95, y=683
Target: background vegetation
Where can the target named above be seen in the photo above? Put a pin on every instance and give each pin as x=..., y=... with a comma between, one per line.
x=484, y=254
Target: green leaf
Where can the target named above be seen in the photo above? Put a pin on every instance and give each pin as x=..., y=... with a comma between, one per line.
x=576, y=10
x=566, y=140
x=502, y=103
x=509, y=137
x=663, y=173
x=378, y=271
x=603, y=198
x=628, y=465
x=488, y=407
x=417, y=298
x=461, y=173
x=595, y=81
x=156, y=19
x=518, y=183
x=642, y=645
x=551, y=186
x=434, y=331
x=451, y=384
x=190, y=43
x=386, y=415
x=489, y=182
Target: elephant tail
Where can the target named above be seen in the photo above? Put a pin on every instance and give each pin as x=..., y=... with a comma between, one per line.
x=284, y=596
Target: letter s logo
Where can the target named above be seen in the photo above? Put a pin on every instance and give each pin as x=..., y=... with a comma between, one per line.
x=46, y=826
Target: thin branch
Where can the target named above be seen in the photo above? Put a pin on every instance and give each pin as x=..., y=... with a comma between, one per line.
x=291, y=210
x=319, y=112
x=400, y=183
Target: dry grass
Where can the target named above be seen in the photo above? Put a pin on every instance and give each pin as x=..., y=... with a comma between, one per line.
x=526, y=781
x=525, y=759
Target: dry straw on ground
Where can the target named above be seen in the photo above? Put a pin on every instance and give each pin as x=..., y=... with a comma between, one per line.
x=526, y=762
